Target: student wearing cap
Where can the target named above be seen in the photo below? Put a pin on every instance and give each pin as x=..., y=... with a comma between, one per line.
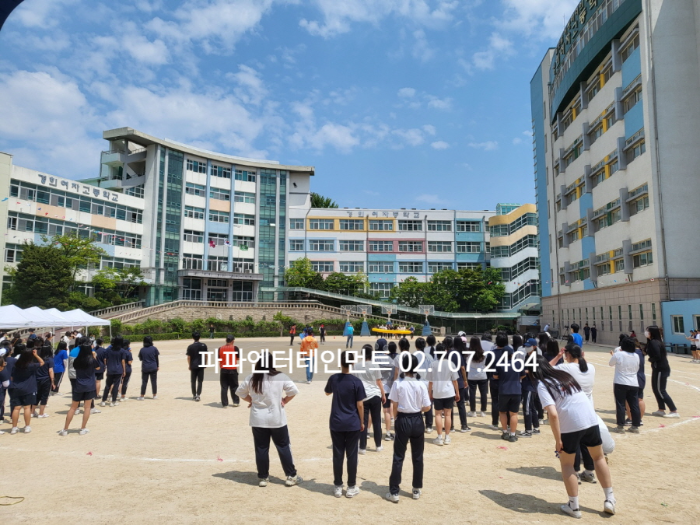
x=229, y=356
x=308, y=349
x=346, y=423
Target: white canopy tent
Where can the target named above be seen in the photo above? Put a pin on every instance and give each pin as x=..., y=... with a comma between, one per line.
x=86, y=319
x=14, y=317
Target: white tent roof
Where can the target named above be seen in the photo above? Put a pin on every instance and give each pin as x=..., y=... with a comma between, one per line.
x=43, y=318
x=12, y=316
x=85, y=319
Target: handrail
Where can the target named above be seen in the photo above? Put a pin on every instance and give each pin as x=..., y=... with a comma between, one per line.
x=104, y=312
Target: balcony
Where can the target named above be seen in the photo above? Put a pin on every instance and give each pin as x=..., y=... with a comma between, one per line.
x=206, y=274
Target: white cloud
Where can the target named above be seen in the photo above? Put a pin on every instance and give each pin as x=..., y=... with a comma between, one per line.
x=527, y=133
x=429, y=129
x=407, y=93
x=413, y=137
x=39, y=13
x=439, y=103
x=414, y=100
x=543, y=19
x=372, y=193
x=517, y=140
x=490, y=145
x=143, y=50
x=421, y=48
x=440, y=144
x=429, y=198
x=251, y=88
x=498, y=47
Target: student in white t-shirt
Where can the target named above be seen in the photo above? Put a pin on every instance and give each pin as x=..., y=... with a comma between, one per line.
x=574, y=423
x=626, y=384
x=444, y=391
x=371, y=376
x=425, y=362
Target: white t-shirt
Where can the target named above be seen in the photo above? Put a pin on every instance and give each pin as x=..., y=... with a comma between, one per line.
x=388, y=365
x=575, y=411
x=586, y=380
x=368, y=372
x=410, y=394
x=427, y=362
x=487, y=346
x=626, y=368
x=477, y=371
x=441, y=378
x=267, y=410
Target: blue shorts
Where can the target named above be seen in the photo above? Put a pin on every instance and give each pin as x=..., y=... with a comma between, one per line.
x=24, y=400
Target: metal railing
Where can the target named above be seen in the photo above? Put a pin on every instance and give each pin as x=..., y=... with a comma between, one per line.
x=107, y=312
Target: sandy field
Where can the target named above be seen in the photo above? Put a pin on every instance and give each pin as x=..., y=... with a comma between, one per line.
x=180, y=461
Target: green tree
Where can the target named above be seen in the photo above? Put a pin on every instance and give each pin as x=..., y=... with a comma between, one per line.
x=79, y=252
x=118, y=285
x=319, y=201
x=301, y=274
x=41, y=278
x=410, y=292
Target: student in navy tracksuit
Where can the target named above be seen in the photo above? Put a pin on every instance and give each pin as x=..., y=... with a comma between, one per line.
x=85, y=365
x=150, y=365
x=44, y=381
x=529, y=396
x=116, y=368
x=509, y=390
x=23, y=385
x=127, y=374
x=100, y=354
x=642, y=380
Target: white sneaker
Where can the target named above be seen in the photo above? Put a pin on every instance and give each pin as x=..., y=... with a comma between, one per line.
x=566, y=509
x=84, y=431
x=293, y=480
x=27, y=429
x=102, y=404
x=42, y=416
x=338, y=491
x=362, y=451
x=78, y=412
x=673, y=414
x=140, y=398
x=609, y=507
x=482, y=414
x=14, y=430
x=113, y=404
x=471, y=414
x=659, y=413
x=494, y=427
x=438, y=441
x=34, y=414
x=95, y=411
x=352, y=492
x=429, y=430
x=62, y=432
x=417, y=493
x=448, y=440
x=155, y=397
x=380, y=448
x=263, y=482
x=394, y=498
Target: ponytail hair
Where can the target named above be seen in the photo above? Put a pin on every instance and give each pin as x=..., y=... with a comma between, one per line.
x=408, y=364
x=576, y=352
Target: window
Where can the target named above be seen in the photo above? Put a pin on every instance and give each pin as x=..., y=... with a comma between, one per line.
x=468, y=266
x=243, y=219
x=435, y=267
x=322, y=266
x=193, y=236
x=220, y=171
x=243, y=265
x=350, y=224
x=529, y=219
x=631, y=100
x=653, y=312
x=192, y=262
x=242, y=291
x=381, y=267
x=603, y=269
x=410, y=226
x=352, y=246
x=296, y=245
x=195, y=189
x=218, y=239
x=619, y=265
x=242, y=196
x=439, y=226
x=639, y=205
x=381, y=246
x=410, y=267
x=352, y=266
x=642, y=259
x=244, y=242
x=218, y=216
x=192, y=289
x=409, y=246
x=636, y=151
x=194, y=213
x=595, y=133
x=246, y=176
x=383, y=290
x=381, y=226
x=321, y=224
x=216, y=193
x=316, y=245
x=468, y=226
x=217, y=264
x=529, y=241
x=13, y=253
x=439, y=246
x=630, y=48
x=196, y=166
x=468, y=247
x=678, y=324
x=296, y=224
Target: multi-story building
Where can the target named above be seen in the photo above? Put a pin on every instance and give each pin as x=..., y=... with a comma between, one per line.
x=615, y=116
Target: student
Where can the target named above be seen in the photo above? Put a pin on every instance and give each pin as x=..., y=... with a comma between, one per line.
x=477, y=378
x=508, y=376
x=371, y=377
x=642, y=380
x=268, y=391
x=625, y=384
x=693, y=346
x=292, y=333
x=578, y=340
x=409, y=398
x=5, y=374
x=100, y=354
x=412, y=329
x=194, y=361
x=431, y=342
x=44, y=381
x=84, y=390
x=425, y=362
x=587, y=331
x=229, y=357
x=150, y=365
x=385, y=357
x=3, y=388
x=23, y=386
x=322, y=333
x=116, y=369
x=212, y=329
x=127, y=374
x=529, y=392
x=660, y=371
x=346, y=423
x=444, y=390
x=574, y=424
x=458, y=359
x=349, y=332
x=307, y=351
x=594, y=333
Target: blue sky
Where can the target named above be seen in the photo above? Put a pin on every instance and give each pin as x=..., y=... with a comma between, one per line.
x=397, y=103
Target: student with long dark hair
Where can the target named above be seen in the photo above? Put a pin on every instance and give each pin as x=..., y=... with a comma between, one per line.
x=370, y=375
x=626, y=384
x=425, y=362
x=5, y=373
x=127, y=370
x=390, y=372
x=346, y=423
x=268, y=391
x=116, y=369
x=458, y=359
x=529, y=392
x=642, y=380
x=150, y=365
x=574, y=424
x=100, y=354
x=44, y=381
x=508, y=376
x=660, y=372
x=60, y=357
x=477, y=378
x=84, y=388
x=409, y=398
x=23, y=386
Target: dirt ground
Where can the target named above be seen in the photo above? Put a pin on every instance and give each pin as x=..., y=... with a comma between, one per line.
x=185, y=462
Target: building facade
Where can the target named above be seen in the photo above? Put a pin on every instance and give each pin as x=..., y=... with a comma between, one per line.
x=615, y=116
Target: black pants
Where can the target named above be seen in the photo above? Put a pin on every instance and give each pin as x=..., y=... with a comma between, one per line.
x=280, y=437
x=482, y=385
x=587, y=336
x=658, y=385
x=229, y=381
x=291, y=340
x=345, y=444
x=463, y=395
x=409, y=428
x=125, y=383
x=493, y=385
x=57, y=380
x=530, y=411
x=373, y=406
x=43, y=389
x=587, y=459
x=196, y=379
x=630, y=395
x=323, y=337
x=113, y=382
x=594, y=335
x=538, y=407
x=429, y=416
x=3, y=391
x=144, y=382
